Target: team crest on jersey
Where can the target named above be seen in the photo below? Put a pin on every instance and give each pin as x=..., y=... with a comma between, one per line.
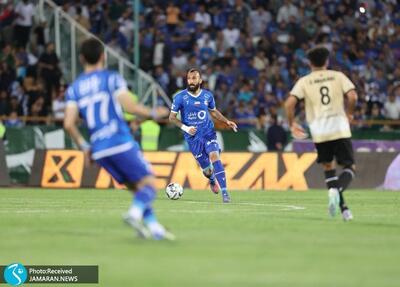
x=206, y=103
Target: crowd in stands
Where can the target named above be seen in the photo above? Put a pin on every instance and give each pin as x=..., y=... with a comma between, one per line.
x=250, y=52
x=30, y=74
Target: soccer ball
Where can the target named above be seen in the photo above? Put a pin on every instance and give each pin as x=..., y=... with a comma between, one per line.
x=174, y=191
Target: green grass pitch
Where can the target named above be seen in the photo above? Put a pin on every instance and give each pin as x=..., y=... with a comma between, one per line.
x=260, y=239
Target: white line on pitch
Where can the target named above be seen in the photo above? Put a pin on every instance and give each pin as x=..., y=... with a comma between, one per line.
x=284, y=206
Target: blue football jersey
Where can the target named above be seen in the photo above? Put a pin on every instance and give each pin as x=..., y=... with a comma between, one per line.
x=95, y=95
x=195, y=111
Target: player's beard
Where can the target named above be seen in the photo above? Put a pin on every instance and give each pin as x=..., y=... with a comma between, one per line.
x=193, y=88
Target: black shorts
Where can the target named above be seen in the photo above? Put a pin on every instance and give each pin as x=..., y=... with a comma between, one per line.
x=341, y=150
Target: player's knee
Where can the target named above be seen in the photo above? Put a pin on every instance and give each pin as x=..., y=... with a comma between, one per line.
x=328, y=165
x=148, y=180
x=131, y=186
x=214, y=156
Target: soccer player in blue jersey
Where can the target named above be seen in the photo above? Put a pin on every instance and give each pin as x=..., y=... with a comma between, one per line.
x=99, y=96
x=197, y=108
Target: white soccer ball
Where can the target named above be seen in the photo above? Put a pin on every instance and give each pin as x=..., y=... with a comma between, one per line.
x=174, y=191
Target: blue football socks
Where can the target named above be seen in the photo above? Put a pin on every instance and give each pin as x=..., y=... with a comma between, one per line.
x=141, y=200
x=149, y=216
x=219, y=172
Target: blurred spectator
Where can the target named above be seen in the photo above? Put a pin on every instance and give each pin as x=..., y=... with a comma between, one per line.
x=7, y=18
x=117, y=8
x=231, y=36
x=245, y=116
x=376, y=115
x=286, y=11
x=179, y=61
x=392, y=108
x=173, y=13
x=396, y=91
x=126, y=25
x=21, y=62
x=7, y=76
x=260, y=62
x=4, y=106
x=6, y=14
x=29, y=92
x=13, y=120
x=6, y=56
x=223, y=96
x=97, y=17
x=250, y=51
x=81, y=18
x=240, y=14
x=202, y=17
x=58, y=105
x=78, y=8
x=49, y=70
x=37, y=110
x=358, y=119
x=15, y=106
x=276, y=135
x=24, y=12
x=161, y=53
x=245, y=93
x=116, y=39
x=162, y=77
x=259, y=19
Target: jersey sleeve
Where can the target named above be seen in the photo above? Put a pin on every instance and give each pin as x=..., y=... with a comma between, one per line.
x=347, y=84
x=70, y=97
x=118, y=85
x=298, y=90
x=176, y=104
x=211, y=103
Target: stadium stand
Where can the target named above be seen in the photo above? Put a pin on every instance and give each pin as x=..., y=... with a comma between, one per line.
x=250, y=52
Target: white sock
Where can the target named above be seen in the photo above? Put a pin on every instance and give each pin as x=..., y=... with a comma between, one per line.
x=135, y=212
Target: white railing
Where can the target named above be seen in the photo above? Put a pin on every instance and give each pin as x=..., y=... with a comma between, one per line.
x=67, y=34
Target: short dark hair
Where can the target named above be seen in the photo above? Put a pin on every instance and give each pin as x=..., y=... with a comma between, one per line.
x=91, y=50
x=318, y=56
x=192, y=70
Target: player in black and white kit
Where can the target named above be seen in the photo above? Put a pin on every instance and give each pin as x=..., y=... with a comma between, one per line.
x=324, y=92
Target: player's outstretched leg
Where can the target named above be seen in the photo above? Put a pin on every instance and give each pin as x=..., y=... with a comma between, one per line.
x=141, y=215
x=344, y=181
x=209, y=173
x=141, y=200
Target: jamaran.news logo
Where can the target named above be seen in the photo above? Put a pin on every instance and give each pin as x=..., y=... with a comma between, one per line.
x=15, y=274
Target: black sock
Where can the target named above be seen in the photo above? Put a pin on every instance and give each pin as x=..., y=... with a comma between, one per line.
x=331, y=179
x=345, y=179
x=342, y=203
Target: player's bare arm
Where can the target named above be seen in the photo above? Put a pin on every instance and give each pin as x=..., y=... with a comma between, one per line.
x=174, y=120
x=351, y=103
x=290, y=106
x=217, y=115
x=70, y=119
x=138, y=109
